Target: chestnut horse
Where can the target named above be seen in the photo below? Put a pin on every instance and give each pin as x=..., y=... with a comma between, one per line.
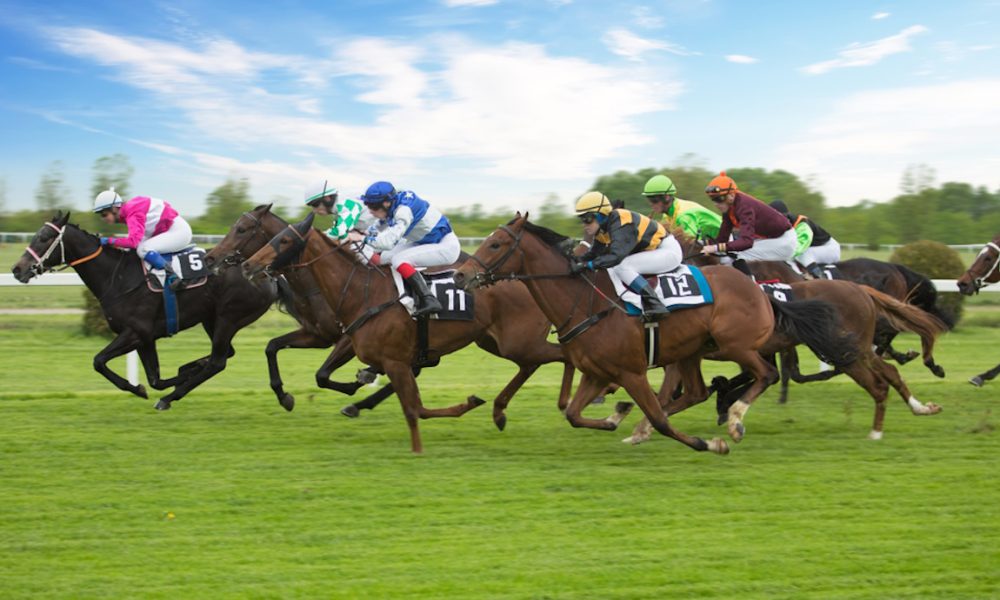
x=606, y=345
x=383, y=335
x=984, y=271
x=859, y=308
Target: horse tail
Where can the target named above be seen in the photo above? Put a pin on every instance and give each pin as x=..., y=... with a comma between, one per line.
x=816, y=324
x=922, y=293
x=286, y=296
x=908, y=317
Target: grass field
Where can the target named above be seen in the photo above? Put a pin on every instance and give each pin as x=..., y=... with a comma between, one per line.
x=227, y=495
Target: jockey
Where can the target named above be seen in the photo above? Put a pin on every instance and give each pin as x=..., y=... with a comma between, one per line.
x=761, y=233
x=154, y=228
x=815, y=246
x=348, y=214
x=627, y=243
x=415, y=234
x=694, y=219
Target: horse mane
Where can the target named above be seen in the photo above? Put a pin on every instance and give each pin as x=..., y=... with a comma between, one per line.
x=545, y=234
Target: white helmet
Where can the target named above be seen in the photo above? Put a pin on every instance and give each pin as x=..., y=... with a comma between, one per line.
x=107, y=199
x=321, y=191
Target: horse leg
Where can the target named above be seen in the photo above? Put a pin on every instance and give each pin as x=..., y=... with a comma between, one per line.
x=299, y=338
x=693, y=392
x=637, y=386
x=567, y=386
x=405, y=384
x=892, y=377
x=503, y=398
x=864, y=372
x=982, y=378
x=222, y=350
x=643, y=430
x=151, y=365
x=125, y=342
x=789, y=361
x=585, y=392
x=342, y=353
x=764, y=375
x=353, y=410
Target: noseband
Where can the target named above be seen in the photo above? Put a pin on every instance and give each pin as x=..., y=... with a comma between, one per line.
x=488, y=275
x=236, y=256
x=39, y=267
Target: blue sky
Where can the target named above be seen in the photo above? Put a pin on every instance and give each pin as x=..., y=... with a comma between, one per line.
x=494, y=102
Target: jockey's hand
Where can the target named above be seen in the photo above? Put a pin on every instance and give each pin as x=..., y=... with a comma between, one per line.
x=710, y=249
x=355, y=236
x=577, y=266
x=104, y=241
x=376, y=259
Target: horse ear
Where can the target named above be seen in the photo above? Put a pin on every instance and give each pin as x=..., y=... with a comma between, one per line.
x=525, y=215
x=304, y=225
x=268, y=207
x=65, y=219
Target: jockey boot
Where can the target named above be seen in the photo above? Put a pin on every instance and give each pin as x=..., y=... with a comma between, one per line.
x=743, y=267
x=158, y=262
x=814, y=270
x=651, y=305
x=427, y=303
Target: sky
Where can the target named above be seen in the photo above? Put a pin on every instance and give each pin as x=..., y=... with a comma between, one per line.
x=495, y=102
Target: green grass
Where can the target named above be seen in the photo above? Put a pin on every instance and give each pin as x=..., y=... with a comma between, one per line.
x=227, y=495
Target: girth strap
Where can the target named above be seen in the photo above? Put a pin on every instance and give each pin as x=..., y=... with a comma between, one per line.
x=371, y=312
x=584, y=325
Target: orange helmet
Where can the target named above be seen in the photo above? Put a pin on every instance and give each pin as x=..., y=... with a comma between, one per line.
x=721, y=185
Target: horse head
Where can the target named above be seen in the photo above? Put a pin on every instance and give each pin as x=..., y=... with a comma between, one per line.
x=245, y=237
x=983, y=270
x=490, y=261
x=44, y=252
x=281, y=250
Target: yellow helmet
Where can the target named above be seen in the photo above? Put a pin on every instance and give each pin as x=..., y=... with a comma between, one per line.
x=593, y=202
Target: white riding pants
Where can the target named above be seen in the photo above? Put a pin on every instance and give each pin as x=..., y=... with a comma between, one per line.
x=826, y=254
x=666, y=257
x=174, y=239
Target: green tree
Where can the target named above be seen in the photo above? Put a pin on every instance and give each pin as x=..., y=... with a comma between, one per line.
x=224, y=205
x=916, y=178
x=114, y=170
x=3, y=195
x=553, y=215
x=51, y=194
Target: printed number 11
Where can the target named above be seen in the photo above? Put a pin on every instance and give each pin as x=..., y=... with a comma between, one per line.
x=451, y=299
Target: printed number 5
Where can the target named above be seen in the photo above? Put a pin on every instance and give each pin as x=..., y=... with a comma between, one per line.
x=194, y=262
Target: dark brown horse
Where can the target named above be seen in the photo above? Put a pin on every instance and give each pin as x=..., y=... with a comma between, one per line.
x=984, y=271
x=859, y=308
x=607, y=346
x=224, y=305
x=383, y=335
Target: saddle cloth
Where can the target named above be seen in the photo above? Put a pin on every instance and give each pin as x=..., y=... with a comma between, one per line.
x=684, y=287
x=782, y=292
x=457, y=304
x=829, y=270
x=189, y=264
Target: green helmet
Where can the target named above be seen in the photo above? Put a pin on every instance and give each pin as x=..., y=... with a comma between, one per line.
x=659, y=184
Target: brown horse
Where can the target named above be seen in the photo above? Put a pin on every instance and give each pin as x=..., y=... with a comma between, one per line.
x=606, y=345
x=383, y=334
x=859, y=307
x=984, y=271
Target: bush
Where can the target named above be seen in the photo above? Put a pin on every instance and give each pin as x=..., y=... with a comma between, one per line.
x=936, y=261
x=94, y=322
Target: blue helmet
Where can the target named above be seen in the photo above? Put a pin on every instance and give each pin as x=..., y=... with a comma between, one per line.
x=379, y=192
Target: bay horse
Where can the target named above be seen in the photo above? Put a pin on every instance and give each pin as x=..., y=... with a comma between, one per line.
x=223, y=305
x=859, y=308
x=607, y=346
x=318, y=327
x=381, y=332
x=983, y=271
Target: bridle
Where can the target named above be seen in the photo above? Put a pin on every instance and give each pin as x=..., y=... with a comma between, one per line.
x=488, y=275
x=39, y=267
x=236, y=256
x=980, y=281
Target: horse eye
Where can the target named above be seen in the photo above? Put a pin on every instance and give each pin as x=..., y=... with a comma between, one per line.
x=495, y=246
x=240, y=230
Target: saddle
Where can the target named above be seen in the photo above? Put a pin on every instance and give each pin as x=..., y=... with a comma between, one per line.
x=188, y=264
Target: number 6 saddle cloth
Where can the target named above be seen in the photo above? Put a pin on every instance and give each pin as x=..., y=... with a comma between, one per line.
x=684, y=287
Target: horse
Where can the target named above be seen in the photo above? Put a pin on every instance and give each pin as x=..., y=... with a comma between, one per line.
x=859, y=307
x=606, y=344
x=318, y=328
x=223, y=306
x=383, y=335
x=983, y=272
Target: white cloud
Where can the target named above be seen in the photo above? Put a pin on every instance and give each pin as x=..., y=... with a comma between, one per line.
x=645, y=17
x=512, y=110
x=951, y=126
x=880, y=15
x=866, y=54
x=741, y=59
x=625, y=43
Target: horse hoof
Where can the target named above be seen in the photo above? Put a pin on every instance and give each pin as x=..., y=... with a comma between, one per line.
x=140, y=390
x=623, y=408
x=350, y=411
x=718, y=446
x=933, y=409
x=722, y=419
x=162, y=405
x=501, y=421
x=475, y=401
x=977, y=381
x=598, y=400
x=938, y=371
x=287, y=401
x=737, y=431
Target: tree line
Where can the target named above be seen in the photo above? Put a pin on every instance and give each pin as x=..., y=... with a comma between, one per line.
x=950, y=213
